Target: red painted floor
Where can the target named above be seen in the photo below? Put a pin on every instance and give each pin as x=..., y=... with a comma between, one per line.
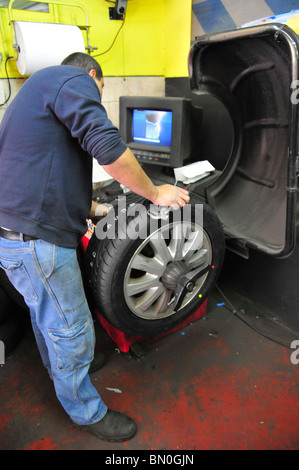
x=216, y=384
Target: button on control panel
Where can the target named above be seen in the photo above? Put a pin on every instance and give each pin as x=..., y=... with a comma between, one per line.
x=151, y=157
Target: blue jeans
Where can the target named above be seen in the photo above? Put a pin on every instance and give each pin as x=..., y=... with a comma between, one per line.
x=49, y=278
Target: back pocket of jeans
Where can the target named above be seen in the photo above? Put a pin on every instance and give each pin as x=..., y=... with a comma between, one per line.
x=19, y=277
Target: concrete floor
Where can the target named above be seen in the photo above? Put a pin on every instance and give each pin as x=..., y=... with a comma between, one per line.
x=215, y=384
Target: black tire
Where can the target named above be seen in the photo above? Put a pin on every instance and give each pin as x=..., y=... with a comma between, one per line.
x=110, y=267
x=14, y=314
x=4, y=306
x=13, y=329
x=11, y=291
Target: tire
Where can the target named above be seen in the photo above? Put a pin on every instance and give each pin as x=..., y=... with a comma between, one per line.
x=132, y=281
x=4, y=306
x=11, y=291
x=14, y=314
x=13, y=328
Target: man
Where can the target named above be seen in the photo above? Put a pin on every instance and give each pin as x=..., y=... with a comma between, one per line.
x=48, y=136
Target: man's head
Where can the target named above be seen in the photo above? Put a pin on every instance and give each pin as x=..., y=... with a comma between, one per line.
x=87, y=63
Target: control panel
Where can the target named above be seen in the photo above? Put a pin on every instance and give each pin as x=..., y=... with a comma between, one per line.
x=151, y=157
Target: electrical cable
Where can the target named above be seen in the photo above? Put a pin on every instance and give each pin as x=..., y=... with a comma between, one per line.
x=229, y=305
x=266, y=326
x=9, y=85
x=105, y=52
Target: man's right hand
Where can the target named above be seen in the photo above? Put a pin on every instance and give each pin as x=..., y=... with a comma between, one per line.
x=127, y=170
x=173, y=196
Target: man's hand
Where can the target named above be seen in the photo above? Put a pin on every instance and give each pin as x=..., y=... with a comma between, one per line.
x=173, y=196
x=126, y=170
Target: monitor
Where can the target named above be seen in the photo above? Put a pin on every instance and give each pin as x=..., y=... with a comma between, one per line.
x=157, y=129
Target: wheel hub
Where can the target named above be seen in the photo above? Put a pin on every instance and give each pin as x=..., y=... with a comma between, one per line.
x=172, y=273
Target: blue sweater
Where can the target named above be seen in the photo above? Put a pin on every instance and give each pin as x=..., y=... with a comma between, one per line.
x=48, y=136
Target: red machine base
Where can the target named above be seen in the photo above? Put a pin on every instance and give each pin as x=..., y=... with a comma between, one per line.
x=124, y=341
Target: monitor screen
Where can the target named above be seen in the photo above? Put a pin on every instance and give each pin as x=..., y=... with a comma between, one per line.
x=152, y=127
x=158, y=130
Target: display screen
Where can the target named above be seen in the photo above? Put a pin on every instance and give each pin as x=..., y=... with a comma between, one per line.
x=152, y=127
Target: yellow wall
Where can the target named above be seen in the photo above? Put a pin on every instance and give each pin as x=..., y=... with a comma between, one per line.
x=294, y=24
x=154, y=40
x=178, y=19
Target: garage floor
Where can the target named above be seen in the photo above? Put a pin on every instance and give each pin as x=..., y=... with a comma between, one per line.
x=215, y=384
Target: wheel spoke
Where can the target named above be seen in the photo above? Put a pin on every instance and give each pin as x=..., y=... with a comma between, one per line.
x=160, y=248
x=194, y=242
x=162, y=302
x=177, y=242
x=150, y=296
x=150, y=265
x=136, y=286
x=198, y=258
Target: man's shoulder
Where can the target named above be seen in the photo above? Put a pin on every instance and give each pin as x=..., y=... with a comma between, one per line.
x=58, y=72
x=50, y=80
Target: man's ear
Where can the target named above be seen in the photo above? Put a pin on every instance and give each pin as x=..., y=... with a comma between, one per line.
x=92, y=73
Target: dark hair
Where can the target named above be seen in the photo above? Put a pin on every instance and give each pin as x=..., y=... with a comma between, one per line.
x=84, y=61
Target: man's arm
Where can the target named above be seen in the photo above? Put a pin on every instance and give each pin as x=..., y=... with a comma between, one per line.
x=126, y=170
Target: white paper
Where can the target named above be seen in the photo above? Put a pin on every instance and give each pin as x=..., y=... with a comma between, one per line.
x=193, y=172
x=45, y=44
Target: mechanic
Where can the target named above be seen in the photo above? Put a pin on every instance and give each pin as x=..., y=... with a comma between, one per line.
x=49, y=134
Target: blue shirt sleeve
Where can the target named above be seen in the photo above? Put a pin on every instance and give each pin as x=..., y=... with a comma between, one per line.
x=78, y=106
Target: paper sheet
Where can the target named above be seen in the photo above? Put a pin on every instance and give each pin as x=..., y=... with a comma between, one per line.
x=193, y=172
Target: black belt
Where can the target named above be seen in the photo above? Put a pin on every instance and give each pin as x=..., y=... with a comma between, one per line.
x=16, y=236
